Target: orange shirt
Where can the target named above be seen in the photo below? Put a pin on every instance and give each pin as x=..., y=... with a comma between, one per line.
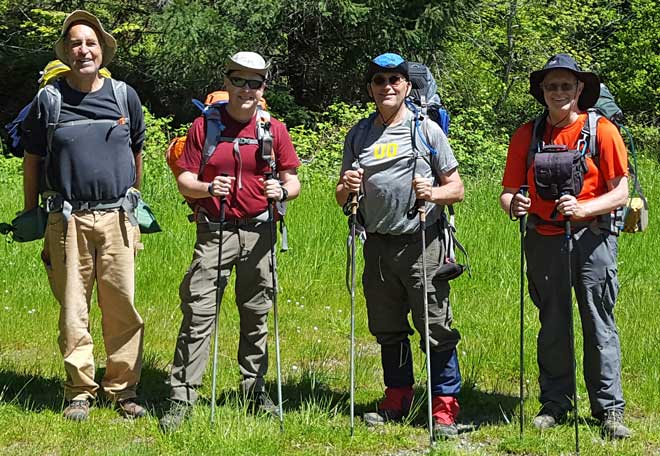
x=611, y=151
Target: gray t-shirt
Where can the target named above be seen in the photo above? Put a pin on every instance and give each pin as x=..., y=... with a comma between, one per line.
x=390, y=162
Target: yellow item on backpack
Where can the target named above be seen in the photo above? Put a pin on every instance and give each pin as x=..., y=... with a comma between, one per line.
x=56, y=69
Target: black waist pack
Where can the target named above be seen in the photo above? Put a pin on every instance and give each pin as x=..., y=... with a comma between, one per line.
x=558, y=171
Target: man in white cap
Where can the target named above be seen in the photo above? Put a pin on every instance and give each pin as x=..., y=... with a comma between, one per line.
x=232, y=193
x=89, y=155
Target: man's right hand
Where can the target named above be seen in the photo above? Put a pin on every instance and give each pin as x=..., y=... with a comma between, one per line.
x=352, y=179
x=220, y=186
x=520, y=204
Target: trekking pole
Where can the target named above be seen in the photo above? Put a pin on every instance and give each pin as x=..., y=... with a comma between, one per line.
x=523, y=220
x=353, y=220
x=218, y=300
x=571, y=332
x=421, y=208
x=273, y=262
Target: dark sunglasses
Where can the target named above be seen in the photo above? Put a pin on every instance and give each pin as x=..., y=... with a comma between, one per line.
x=554, y=87
x=393, y=80
x=251, y=83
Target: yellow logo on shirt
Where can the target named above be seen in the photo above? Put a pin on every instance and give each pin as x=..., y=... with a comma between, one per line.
x=385, y=150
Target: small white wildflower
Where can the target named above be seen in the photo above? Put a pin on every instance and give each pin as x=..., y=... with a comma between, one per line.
x=294, y=367
x=6, y=308
x=318, y=341
x=327, y=307
x=288, y=300
x=302, y=306
x=297, y=303
x=316, y=328
x=302, y=297
x=340, y=311
x=463, y=353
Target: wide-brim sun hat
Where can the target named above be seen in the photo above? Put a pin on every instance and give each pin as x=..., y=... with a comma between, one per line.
x=108, y=42
x=248, y=61
x=387, y=63
x=590, y=92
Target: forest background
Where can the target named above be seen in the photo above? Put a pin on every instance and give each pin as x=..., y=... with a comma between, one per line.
x=481, y=52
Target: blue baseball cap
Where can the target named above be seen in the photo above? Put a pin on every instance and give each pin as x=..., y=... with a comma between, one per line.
x=387, y=63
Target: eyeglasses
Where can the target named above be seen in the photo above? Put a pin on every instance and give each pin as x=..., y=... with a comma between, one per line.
x=251, y=83
x=554, y=87
x=393, y=80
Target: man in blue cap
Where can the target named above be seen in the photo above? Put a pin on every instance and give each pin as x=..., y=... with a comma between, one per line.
x=391, y=170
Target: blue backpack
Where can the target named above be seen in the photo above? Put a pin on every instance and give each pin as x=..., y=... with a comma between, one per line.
x=424, y=98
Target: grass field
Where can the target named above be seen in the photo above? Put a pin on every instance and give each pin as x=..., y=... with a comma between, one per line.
x=314, y=327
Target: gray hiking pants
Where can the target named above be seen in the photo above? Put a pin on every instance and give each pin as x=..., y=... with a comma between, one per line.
x=246, y=248
x=392, y=281
x=595, y=282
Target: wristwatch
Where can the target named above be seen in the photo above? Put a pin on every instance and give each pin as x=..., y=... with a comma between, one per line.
x=210, y=188
x=285, y=194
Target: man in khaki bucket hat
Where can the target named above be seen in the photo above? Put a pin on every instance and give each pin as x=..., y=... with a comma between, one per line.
x=88, y=132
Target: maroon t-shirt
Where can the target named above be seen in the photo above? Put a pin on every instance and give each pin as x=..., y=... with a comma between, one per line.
x=246, y=198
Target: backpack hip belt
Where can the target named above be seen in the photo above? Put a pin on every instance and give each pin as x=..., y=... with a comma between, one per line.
x=55, y=202
x=600, y=223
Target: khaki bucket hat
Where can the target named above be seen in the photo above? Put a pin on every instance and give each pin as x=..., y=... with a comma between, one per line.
x=108, y=42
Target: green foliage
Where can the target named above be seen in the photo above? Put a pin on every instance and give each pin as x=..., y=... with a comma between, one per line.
x=478, y=149
x=158, y=135
x=322, y=146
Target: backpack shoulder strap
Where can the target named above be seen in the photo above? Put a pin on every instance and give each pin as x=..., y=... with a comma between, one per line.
x=361, y=130
x=214, y=128
x=265, y=138
x=121, y=97
x=591, y=128
x=52, y=99
x=538, y=129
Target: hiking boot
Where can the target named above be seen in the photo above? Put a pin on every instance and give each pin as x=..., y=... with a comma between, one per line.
x=130, y=409
x=445, y=410
x=260, y=402
x=393, y=408
x=549, y=416
x=77, y=410
x=175, y=416
x=612, y=426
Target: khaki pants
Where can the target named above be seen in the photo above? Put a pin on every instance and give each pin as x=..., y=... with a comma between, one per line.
x=246, y=248
x=97, y=246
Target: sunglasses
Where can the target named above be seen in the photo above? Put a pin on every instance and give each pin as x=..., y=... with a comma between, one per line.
x=251, y=83
x=393, y=80
x=554, y=87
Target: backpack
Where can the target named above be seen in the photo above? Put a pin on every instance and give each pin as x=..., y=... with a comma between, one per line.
x=634, y=216
x=425, y=102
x=11, y=133
x=211, y=111
x=177, y=144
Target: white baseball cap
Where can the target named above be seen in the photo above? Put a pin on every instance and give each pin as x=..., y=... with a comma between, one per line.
x=248, y=61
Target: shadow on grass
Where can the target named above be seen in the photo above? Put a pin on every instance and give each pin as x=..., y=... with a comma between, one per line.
x=37, y=393
x=31, y=392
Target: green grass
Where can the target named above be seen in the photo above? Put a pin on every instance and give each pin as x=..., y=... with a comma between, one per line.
x=314, y=327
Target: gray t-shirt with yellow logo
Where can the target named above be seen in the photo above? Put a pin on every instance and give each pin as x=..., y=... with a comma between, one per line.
x=390, y=162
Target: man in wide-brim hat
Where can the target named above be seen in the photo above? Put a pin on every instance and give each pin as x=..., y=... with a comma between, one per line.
x=566, y=91
x=91, y=148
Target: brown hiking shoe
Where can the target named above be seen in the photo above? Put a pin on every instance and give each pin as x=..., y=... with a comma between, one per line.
x=130, y=409
x=77, y=410
x=612, y=426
